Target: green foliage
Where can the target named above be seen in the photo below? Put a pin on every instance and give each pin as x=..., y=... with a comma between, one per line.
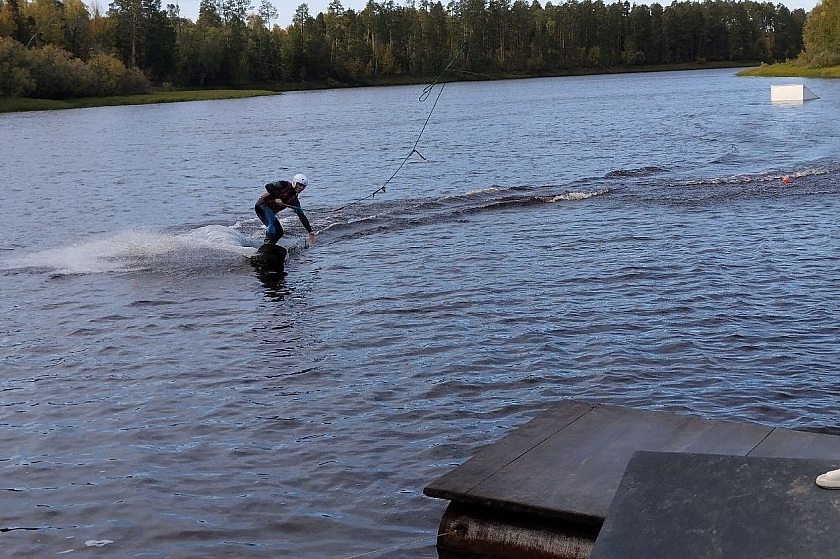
x=57, y=75
x=110, y=74
x=7, y=19
x=145, y=36
x=822, y=35
x=49, y=72
x=113, y=78
x=15, y=78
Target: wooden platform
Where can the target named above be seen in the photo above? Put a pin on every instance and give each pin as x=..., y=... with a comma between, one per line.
x=544, y=490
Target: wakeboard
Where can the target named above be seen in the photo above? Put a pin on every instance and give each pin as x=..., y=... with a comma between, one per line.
x=269, y=258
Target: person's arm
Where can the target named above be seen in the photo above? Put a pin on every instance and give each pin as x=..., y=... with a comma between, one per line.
x=302, y=217
x=304, y=221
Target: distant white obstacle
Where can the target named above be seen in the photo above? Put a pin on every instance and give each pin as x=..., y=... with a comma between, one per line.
x=790, y=93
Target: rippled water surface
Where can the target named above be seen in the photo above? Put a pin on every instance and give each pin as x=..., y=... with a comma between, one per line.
x=623, y=239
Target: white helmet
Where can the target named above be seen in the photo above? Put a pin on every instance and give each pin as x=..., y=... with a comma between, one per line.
x=300, y=179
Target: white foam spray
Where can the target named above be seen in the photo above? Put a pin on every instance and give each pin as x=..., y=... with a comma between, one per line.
x=129, y=250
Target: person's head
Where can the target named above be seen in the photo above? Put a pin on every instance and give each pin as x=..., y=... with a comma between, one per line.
x=300, y=182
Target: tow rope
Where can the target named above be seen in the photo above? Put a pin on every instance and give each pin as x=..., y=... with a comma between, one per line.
x=427, y=91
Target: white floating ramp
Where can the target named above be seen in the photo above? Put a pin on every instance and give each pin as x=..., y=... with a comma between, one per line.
x=790, y=93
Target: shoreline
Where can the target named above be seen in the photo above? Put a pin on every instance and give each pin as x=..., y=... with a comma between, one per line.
x=790, y=70
x=25, y=104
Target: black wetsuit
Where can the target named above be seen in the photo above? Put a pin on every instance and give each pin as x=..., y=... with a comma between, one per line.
x=279, y=195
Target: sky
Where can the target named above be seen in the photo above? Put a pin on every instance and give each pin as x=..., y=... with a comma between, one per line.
x=287, y=8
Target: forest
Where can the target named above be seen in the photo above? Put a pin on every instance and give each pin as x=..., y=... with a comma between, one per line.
x=61, y=48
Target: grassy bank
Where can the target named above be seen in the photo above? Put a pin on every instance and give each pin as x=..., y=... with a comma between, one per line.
x=13, y=104
x=791, y=70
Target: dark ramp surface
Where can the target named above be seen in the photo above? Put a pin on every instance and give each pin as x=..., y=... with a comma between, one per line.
x=700, y=505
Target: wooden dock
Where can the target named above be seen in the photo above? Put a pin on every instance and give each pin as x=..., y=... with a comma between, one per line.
x=545, y=490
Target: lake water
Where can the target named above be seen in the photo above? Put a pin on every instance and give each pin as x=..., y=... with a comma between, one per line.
x=624, y=239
